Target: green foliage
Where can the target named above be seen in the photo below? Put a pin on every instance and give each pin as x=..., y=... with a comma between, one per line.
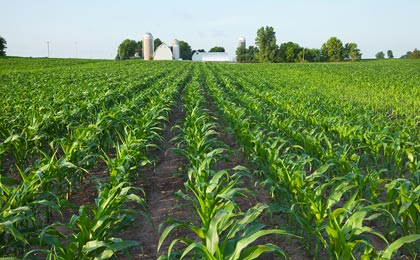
x=332, y=50
x=127, y=49
x=217, y=49
x=290, y=52
x=415, y=54
x=157, y=42
x=380, y=55
x=266, y=44
x=245, y=55
x=390, y=54
x=185, y=50
x=223, y=231
x=3, y=46
x=329, y=175
x=312, y=55
x=351, y=52
x=336, y=146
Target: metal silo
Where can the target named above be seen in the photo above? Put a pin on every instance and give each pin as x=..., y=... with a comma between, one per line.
x=148, y=46
x=242, y=42
x=175, y=49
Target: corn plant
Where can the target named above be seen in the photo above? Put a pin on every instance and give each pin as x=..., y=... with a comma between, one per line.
x=223, y=231
x=93, y=228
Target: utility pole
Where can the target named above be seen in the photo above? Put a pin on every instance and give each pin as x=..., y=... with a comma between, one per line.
x=48, y=48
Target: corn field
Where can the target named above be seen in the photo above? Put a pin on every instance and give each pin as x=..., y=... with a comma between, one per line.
x=335, y=146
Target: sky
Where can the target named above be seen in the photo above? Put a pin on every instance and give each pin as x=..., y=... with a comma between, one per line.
x=95, y=28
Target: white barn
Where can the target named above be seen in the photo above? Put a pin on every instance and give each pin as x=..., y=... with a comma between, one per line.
x=211, y=56
x=166, y=52
x=163, y=52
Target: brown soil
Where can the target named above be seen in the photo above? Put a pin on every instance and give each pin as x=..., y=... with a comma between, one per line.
x=160, y=185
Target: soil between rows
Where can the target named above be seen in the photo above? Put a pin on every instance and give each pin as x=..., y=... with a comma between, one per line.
x=162, y=182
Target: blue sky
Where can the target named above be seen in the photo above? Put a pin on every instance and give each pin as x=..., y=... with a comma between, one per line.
x=96, y=27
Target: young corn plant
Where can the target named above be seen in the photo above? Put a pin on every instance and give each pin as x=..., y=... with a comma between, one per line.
x=223, y=231
x=92, y=230
x=21, y=206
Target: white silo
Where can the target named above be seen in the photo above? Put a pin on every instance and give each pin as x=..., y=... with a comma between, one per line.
x=242, y=42
x=175, y=49
x=148, y=46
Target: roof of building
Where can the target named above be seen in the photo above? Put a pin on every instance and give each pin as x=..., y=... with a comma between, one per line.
x=163, y=52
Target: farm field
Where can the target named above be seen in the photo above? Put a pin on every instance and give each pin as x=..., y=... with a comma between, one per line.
x=118, y=159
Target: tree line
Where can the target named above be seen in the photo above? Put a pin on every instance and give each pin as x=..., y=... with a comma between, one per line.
x=333, y=50
x=415, y=54
x=266, y=50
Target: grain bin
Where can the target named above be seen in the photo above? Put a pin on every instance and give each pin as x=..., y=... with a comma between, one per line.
x=242, y=42
x=175, y=49
x=148, y=46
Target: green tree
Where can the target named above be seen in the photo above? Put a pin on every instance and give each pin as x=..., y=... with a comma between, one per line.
x=3, y=46
x=390, y=54
x=127, y=49
x=351, y=52
x=332, y=50
x=413, y=54
x=241, y=53
x=312, y=55
x=289, y=52
x=245, y=55
x=185, y=50
x=157, y=42
x=252, y=50
x=266, y=43
x=380, y=55
x=217, y=49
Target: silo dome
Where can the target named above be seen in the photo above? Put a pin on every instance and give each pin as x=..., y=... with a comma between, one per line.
x=175, y=49
x=147, y=36
x=242, y=42
x=148, y=46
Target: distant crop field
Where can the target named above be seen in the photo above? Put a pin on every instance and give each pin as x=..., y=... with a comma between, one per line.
x=111, y=159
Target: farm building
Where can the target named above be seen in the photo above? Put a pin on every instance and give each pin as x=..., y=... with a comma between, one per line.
x=211, y=56
x=162, y=52
x=165, y=52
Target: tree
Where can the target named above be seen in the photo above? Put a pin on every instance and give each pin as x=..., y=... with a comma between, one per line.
x=289, y=52
x=157, y=42
x=251, y=52
x=201, y=50
x=245, y=55
x=241, y=53
x=332, y=50
x=185, y=50
x=217, y=49
x=3, y=46
x=127, y=49
x=413, y=54
x=312, y=55
x=351, y=52
x=380, y=55
x=390, y=54
x=266, y=43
